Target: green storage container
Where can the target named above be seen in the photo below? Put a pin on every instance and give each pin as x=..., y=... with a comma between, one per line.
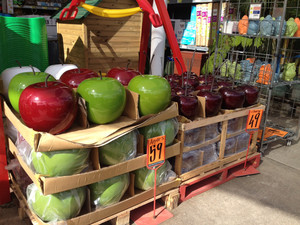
x=25, y=40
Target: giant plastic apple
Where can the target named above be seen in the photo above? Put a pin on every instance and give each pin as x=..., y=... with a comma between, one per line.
x=74, y=77
x=124, y=75
x=167, y=127
x=60, y=163
x=144, y=178
x=105, y=98
x=9, y=73
x=57, y=70
x=154, y=93
x=55, y=207
x=109, y=191
x=119, y=150
x=22, y=80
x=49, y=106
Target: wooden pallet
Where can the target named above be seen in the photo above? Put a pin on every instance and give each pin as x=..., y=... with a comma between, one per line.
x=169, y=199
x=215, y=177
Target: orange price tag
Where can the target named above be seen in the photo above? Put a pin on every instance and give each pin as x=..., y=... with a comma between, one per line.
x=254, y=119
x=156, y=148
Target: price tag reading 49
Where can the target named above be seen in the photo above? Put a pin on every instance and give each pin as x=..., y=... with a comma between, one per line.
x=254, y=119
x=156, y=148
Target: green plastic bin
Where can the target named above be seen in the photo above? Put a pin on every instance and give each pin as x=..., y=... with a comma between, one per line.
x=25, y=40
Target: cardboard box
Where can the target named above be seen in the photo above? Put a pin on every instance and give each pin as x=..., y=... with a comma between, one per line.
x=95, y=135
x=187, y=125
x=50, y=185
x=101, y=215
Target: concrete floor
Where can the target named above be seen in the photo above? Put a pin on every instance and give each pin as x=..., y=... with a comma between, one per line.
x=271, y=197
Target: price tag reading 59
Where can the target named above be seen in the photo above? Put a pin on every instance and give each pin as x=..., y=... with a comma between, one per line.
x=156, y=148
x=254, y=119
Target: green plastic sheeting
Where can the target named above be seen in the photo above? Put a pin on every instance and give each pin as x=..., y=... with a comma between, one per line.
x=25, y=40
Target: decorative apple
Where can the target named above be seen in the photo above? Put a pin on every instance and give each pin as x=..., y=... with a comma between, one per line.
x=49, y=106
x=206, y=87
x=213, y=102
x=173, y=78
x=19, y=82
x=60, y=163
x=251, y=94
x=10, y=73
x=109, y=191
x=208, y=79
x=105, y=98
x=54, y=207
x=189, y=80
x=154, y=91
x=57, y=70
x=74, y=77
x=232, y=98
x=188, y=105
x=224, y=84
x=124, y=75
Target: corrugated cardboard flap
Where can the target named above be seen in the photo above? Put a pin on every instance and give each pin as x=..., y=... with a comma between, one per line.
x=94, y=136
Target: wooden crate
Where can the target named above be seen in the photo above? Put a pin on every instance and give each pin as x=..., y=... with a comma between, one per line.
x=100, y=43
x=225, y=153
x=118, y=213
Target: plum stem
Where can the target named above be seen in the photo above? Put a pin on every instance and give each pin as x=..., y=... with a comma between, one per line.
x=46, y=84
x=32, y=69
x=19, y=64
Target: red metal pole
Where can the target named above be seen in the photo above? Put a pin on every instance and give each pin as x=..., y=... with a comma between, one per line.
x=4, y=181
x=164, y=15
x=144, y=40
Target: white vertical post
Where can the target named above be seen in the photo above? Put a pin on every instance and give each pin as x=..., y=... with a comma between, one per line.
x=158, y=40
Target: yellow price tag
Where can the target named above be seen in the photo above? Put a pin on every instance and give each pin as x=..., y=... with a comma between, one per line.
x=254, y=119
x=156, y=148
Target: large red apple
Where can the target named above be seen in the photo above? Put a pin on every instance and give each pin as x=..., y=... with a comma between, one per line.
x=232, y=98
x=124, y=75
x=188, y=105
x=213, y=102
x=74, y=77
x=48, y=106
x=251, y=94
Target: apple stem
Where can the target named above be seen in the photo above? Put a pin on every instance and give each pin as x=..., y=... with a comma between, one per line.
x=212, y=83
x=181, y=70
x=128, y=63
x=151, y=61
x=32, y=69
x=19, y=64
x=61, y=61
x=46, y=84
x=236, y=59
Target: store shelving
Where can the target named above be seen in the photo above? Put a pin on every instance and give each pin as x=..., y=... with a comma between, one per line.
x=36, y=7
x=276, y=50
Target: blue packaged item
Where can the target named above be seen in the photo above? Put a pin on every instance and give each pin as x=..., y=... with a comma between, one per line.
x=253, y=27
x=266, y=26
x=189, y=34
x=276, y=25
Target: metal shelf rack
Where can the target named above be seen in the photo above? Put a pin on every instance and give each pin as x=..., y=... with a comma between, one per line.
x=278, y=51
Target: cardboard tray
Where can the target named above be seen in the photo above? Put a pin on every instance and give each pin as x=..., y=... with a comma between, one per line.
x=103, y=214
x=94, y=136
x=50, y=185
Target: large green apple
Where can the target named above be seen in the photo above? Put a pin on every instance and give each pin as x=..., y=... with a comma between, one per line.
x=105, y=98
x=109, y=191
x=154, y=93
x=60, y=206
x=167, y=127
x=60, y=163
x=144, y=178
x=119, y=150
x=22, y=80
